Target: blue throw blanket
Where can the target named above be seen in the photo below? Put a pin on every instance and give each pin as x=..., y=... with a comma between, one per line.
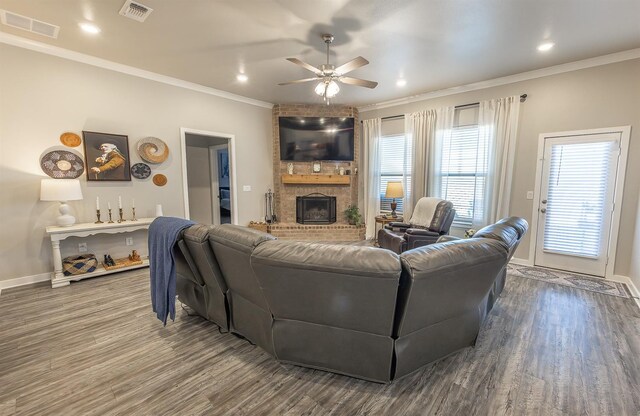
x=163, y=233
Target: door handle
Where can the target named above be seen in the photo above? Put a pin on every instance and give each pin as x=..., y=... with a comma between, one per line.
x=543, y=210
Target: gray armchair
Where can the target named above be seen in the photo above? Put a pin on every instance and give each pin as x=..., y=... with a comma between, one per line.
x=432, y=218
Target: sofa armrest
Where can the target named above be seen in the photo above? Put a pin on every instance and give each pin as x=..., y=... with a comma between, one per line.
x=445, y=238
x=422, y=232
x=397, y=226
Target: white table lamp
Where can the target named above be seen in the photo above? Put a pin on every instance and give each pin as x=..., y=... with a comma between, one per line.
x=61, y=190
x=394, y=190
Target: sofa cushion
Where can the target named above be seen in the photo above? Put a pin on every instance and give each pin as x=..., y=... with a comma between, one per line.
x=351, y=287
x=503, y=233
x=444, y=280
x=519, y=224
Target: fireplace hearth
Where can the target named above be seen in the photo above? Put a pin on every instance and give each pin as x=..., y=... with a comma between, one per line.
x=315, y=209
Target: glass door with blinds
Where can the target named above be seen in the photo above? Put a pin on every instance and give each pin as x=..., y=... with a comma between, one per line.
x=576, y=202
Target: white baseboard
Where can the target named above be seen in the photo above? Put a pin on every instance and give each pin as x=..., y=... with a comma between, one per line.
x=521, y=262
x=24, y=280
x=627, y=281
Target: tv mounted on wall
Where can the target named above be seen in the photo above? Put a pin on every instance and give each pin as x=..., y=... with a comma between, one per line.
x=306, y=139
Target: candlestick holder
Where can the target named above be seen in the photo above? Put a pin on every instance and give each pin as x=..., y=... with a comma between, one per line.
x=121, y=215
x=110, y=220
x=98, y=215
x=133, y=209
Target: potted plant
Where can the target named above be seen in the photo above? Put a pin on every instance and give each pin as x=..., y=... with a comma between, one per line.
x=353, y=215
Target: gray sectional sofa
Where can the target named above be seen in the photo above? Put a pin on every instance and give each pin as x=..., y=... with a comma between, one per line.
x=361, y=311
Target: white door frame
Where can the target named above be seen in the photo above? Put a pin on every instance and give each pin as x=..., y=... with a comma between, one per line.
x=625, y=133
x=232, y=171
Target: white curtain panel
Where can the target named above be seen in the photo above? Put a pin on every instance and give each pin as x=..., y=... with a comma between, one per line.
x=498, y=125
x=442, y=133
x=371, y=133
x=420, y=129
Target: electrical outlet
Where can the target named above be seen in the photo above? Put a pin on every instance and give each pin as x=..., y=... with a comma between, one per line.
x=82, y=247
x=529, y=194
x=128, y=241
x=246, y=188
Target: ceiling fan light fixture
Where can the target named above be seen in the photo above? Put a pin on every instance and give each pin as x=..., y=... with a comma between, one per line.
x=332, y=89
x=320, y=88
x=327, y=75
x=327, y=89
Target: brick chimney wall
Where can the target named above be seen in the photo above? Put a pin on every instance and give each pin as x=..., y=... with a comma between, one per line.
x=285, y=195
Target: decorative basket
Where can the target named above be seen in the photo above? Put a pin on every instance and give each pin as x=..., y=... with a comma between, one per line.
x=120, y=263
x=75, y=265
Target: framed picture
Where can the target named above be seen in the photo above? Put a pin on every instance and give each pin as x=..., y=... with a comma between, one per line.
x=106, y=156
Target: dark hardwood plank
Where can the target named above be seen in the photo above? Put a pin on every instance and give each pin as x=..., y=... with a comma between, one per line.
x=95, y=347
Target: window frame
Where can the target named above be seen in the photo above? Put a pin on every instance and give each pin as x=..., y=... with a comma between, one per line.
x=386, y=202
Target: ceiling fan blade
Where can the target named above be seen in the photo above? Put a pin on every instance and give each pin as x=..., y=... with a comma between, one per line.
x=305, y=65
x=351, y=65
x=298, y=81
x=359, y=82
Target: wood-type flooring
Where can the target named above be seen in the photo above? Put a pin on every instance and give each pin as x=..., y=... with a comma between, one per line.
x=96, y=348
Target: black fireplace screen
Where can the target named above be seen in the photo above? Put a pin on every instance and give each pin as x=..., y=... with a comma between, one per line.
x=315, y=209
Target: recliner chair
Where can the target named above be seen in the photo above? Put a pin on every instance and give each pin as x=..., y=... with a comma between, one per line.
x=432, y=218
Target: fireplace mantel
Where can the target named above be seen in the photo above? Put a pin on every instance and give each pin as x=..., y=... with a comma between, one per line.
x=316, y=179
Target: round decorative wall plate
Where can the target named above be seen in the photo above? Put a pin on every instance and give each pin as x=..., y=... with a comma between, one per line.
x=140, y=171
x=153, y=150
x=70, y=139
x=159, y=179
x=60, y=164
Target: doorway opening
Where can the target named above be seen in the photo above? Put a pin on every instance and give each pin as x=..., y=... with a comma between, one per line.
x=208, y=168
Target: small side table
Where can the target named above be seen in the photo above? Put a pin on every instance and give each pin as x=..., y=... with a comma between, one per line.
x=383, y=220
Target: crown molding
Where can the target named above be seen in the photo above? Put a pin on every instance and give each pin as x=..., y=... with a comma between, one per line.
x=32, y=45
x=510, y=79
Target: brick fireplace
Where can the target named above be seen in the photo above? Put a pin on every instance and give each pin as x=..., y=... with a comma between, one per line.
x=343, y=188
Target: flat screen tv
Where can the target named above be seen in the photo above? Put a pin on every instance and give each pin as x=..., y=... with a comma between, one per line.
x=306, y=139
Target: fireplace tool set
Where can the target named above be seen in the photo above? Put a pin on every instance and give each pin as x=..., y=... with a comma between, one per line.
x=270, y=216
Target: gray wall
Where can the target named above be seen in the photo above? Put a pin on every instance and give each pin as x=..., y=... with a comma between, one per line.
x=42, y=96
x=603, y=96
x=199, y=180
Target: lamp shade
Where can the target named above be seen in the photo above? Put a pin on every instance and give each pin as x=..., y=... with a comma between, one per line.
x=394, y=190
x=60, y=190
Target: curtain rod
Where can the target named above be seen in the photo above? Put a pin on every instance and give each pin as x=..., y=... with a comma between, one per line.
x=523, y=98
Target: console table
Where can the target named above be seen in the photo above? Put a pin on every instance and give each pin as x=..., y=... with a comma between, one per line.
x=57, y=234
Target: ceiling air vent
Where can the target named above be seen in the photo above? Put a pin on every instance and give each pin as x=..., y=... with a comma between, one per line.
x=29, y=24
x=135, y=11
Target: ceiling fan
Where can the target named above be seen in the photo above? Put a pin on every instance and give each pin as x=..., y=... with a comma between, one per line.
x=328, y=75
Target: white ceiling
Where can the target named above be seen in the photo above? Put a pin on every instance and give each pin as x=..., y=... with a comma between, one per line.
x=432, y=44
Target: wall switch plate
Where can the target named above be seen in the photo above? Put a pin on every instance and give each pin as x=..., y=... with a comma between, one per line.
x=246, y=188
x=128, y=241
x=529, y=194
x=82, y=247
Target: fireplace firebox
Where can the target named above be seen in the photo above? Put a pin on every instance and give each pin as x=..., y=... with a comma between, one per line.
x=315, y=209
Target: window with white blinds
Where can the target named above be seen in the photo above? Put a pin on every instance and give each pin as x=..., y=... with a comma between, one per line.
x=577, y=197
x=463, y=172
x=392, y=166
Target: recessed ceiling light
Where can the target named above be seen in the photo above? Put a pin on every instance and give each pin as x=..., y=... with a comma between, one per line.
x=242, y=78
x=543, y=47
x=90, y=28
x=401, y=82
